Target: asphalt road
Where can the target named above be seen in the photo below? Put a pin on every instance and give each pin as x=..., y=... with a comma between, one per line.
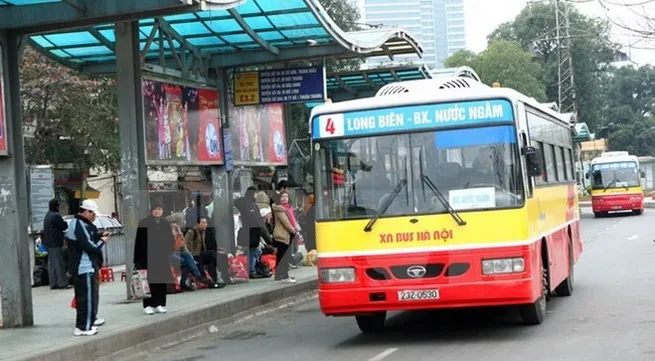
x=611, y=316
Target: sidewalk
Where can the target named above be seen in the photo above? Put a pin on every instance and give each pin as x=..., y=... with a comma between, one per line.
x=52, y=337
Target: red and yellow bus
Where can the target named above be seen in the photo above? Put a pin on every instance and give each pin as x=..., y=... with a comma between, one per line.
x=616, y=183
x=430, y=198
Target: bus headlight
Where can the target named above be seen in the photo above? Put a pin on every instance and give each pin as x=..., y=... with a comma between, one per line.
x=503, y=265
x=337, y=275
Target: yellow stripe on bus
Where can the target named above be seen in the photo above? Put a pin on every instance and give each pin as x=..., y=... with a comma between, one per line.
x=600, y=192
x=547, y=210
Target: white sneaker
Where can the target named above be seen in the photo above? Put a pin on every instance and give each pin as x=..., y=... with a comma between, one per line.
x=161, y=309
x=99, y=322
x=79, y=332
x=289, y=281
x=149, y=310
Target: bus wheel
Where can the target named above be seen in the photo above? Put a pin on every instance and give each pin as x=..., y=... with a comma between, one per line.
x=371, y=323
x=637, y=212
x=534, y=313
x=566, y=287
x=600, y=214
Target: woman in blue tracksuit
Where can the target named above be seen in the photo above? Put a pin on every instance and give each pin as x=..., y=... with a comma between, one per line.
x=85, y=249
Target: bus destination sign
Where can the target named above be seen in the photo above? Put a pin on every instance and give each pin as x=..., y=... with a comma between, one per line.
x=408, y=118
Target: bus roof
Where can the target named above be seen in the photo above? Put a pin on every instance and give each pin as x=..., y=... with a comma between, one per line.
x=428, y=92
x=615, y=159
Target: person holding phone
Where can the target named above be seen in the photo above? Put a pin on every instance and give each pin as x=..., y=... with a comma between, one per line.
x=85, y=249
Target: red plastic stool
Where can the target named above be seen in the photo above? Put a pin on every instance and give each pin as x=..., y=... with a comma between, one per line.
x=123, y=276
x=106, y=274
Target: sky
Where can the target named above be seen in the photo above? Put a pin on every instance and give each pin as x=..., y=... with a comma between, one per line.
x=483, y=16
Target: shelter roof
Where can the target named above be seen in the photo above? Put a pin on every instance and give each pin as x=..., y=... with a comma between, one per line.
x=254, y=32
x=370, y=80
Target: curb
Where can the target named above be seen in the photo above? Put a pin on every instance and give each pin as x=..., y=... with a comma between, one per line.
x=180, y=328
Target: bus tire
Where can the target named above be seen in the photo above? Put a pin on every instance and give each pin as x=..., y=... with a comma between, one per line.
x=371, y=323
x=600, y=214
x=566, y=287
x=637, y=212
x=534, y=313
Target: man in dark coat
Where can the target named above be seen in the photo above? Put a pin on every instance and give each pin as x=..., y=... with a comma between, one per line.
x=153, y=248
x=53, y=228
x=253, y=228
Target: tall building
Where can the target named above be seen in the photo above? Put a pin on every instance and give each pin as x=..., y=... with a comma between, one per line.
x=437, y=24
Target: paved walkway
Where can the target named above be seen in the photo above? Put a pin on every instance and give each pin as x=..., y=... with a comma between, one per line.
x=52, y=337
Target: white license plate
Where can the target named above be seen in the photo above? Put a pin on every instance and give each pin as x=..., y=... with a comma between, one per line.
x=616, y=207
x=418, y=295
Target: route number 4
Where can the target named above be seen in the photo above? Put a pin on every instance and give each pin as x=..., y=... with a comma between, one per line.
x=329, y=126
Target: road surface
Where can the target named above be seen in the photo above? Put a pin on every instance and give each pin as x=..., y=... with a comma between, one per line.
x=611, y=316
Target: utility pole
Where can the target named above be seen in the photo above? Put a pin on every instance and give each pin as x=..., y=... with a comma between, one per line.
x=566, y=94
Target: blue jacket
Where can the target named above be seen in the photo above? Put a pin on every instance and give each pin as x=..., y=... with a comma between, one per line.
x=84, y=246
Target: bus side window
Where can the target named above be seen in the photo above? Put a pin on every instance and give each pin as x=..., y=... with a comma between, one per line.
x=524, y=143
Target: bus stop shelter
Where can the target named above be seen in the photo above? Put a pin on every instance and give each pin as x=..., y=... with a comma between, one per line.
x=195, y=40
x=366, y=82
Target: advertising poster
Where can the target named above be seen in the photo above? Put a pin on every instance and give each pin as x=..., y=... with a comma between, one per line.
x=258, y=134
x=277, y=152
x=209, y=142
x=182, y=124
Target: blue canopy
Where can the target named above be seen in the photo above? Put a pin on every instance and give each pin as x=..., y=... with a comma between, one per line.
x=244, y=33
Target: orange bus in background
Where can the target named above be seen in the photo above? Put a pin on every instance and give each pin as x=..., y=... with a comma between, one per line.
x=433, y=197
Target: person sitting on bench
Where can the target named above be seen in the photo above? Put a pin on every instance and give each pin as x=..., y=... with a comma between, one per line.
x=207, y=257
x=187, y=262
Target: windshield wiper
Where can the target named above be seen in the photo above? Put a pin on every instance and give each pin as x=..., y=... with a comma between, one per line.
x=609, y=185
x=384, y=206
x=443, y=200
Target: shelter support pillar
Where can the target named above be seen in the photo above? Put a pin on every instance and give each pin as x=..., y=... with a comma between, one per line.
x=15, y=283
x=223, y=217
x=134, y=182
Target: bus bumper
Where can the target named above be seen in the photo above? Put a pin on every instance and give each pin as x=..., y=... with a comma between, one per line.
x=361, y=301
x=471, y=289
x=627, y=202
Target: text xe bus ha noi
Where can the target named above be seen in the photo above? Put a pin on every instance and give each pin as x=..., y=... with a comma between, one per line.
x=443, y=199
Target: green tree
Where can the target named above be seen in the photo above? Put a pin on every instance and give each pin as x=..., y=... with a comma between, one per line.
x=592, y=51
x=507, y=63
x=461, y=58
x=75, y=115
x=629, y=107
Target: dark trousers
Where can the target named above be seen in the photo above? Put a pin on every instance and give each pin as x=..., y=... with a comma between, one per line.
x=282, y=257
x=86, y=293
x=96, y=295
x=208, y=259
x=57, y=268
x=157, y=296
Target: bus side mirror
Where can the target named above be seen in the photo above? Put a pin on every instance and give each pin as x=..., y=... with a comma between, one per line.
x=586, y=175
x=533, y=161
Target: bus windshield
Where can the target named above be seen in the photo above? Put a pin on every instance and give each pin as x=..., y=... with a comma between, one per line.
x=474, y=168
x=615, y=175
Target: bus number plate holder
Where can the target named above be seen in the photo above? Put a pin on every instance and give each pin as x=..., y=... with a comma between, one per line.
x=418, y=295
